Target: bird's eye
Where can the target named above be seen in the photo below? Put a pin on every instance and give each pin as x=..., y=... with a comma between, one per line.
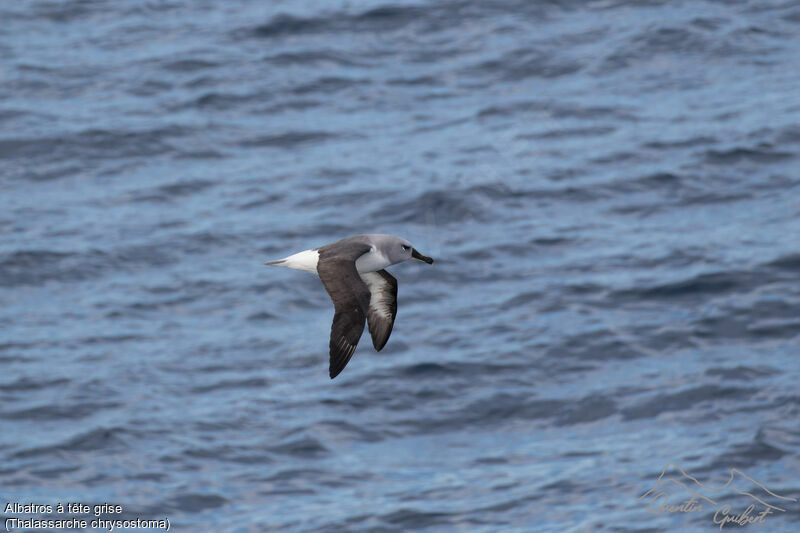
x=405, y=247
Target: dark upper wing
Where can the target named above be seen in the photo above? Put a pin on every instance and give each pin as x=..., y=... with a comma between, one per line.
x=337, y=270
x=382, y=305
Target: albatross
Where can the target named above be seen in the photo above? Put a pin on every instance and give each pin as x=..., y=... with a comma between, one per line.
x=352, y=271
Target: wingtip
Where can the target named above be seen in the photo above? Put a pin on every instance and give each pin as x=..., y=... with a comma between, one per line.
x=379, y=346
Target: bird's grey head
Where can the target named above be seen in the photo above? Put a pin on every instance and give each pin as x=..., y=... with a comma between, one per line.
x=397, y=249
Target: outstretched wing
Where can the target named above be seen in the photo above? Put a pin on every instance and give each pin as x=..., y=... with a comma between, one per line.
x=350, y=301
x=382, y=305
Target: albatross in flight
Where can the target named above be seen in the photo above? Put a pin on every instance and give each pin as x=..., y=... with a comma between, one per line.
x=352, y=271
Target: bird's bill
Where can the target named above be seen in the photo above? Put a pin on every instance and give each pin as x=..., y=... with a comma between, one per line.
x=424, y=258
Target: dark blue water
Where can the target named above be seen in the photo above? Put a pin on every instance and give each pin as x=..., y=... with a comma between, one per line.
x=609, y=189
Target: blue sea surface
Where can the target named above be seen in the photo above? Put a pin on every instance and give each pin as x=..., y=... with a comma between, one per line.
x=609, y=189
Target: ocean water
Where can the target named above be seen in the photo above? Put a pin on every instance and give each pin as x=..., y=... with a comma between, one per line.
x=610, y=191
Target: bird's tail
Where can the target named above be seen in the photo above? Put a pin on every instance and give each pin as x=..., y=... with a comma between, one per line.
x=306, y=260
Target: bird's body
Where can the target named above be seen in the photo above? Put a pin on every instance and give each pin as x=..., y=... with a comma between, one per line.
x=352, y=271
